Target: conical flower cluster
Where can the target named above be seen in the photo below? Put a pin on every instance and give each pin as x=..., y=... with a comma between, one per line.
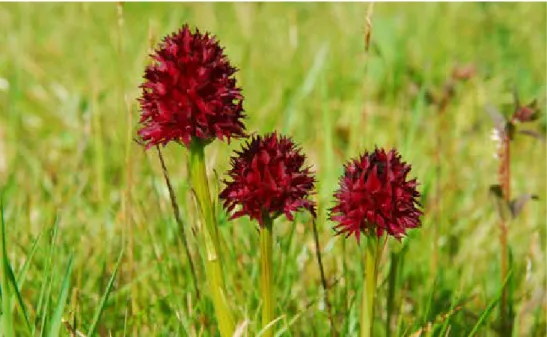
x=268, y=179
x=376, y=196
x=190, y=92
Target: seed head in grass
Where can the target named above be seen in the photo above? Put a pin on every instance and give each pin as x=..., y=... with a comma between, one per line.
x=375, y=196
x=526, y=113
x=189, y=92
x=268, y=179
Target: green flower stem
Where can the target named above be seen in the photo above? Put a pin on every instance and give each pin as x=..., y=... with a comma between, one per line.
x=210, y=236
x=266, y=243
x=369, y=286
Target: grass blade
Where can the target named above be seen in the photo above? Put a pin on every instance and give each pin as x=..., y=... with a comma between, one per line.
x=490, y=307
x=484, y=315
x=306, y=87
x=18, y=283
x=43, y=301
x=7, y=318
x=44, y=318
x=102, y=304
x=23, y=272
x=19, y=299
x=57, y=317
x=444, y=328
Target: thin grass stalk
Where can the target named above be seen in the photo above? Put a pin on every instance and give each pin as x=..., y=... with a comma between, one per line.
x=210, y=239
x=127, y=204
x=98, y=142
x=323, y=279
x=180, y=224
x=369, y=286
x=74, y=308
x=392, y=284
x=368, y=27
x=355, y=135
x=441, y=130
x=266, y=247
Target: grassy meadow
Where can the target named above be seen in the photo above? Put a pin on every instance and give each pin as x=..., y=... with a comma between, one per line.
x=87, y=212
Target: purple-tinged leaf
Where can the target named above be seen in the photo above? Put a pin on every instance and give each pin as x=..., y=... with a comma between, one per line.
x=534, y=134
x=516, y=205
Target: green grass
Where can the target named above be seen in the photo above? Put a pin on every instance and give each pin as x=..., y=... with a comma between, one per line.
x=78, y=192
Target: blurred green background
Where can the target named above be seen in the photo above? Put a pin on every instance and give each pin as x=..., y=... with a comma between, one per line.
x=69, y=77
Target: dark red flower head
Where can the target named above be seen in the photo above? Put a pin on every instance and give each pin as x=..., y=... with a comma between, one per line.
x=375, y=196
x=190, y=92
x=268, y=179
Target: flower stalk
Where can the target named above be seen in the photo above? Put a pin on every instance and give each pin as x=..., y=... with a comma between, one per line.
x=210, y=239
x=505, y=183
x=375, y=196
x=369, y=286
x=268, y=179
x=504, y=132
x=266, y=245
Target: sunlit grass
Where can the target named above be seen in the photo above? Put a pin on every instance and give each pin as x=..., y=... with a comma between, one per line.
x=64, y=142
